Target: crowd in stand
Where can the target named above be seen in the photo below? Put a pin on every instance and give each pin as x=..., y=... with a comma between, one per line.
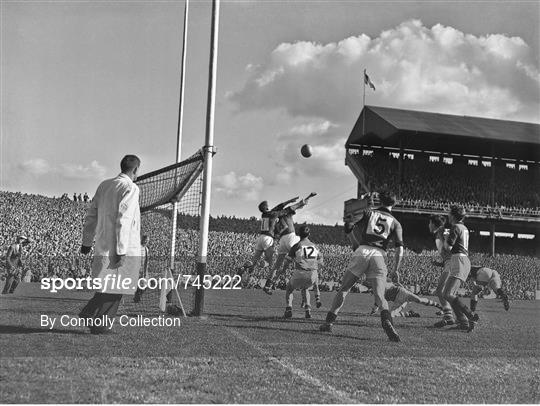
x=54, y=225
x=437, y=185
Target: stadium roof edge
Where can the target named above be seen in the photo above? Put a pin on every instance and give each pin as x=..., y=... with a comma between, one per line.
x=421, y=130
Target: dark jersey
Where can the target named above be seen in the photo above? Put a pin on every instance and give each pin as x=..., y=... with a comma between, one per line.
x=458, y=239
x=286, y=223
x=376, y=228
x=268, y=222
x=306, y=255
x=445, y=254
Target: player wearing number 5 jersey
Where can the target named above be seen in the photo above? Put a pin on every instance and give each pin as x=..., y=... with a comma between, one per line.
x=457, y=243
x=307, y=259
x=370, y=233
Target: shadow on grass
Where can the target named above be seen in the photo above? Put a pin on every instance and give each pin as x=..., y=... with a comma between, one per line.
x=34, y=330
x=311, y=332
x=279, y=319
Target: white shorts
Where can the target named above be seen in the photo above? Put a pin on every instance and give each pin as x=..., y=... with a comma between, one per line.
x=369, y=261
x=491, y=280
x=460, y=266
x=286, y=243
x=303, y=279
x=264, y=242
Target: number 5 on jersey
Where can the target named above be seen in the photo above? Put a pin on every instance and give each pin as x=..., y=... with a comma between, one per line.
x=379, y=225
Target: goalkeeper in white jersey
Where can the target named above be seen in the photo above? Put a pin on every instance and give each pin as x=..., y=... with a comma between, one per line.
x=307, y=259
x=483, y=278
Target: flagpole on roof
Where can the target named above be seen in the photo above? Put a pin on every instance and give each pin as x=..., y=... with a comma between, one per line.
x=364, y=105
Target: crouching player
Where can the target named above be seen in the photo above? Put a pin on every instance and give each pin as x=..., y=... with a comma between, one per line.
x=370, y=232
x=483, y=277
x=307, y=258
x=400, y=297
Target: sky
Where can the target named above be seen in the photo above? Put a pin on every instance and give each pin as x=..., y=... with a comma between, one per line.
x=84, y=83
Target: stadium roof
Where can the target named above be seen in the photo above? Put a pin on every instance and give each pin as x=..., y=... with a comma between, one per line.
x=424, y=131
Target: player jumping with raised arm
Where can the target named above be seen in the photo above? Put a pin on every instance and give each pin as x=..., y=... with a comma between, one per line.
x=483, y=277
x=307, y=259
x=400, y=297
x=370, y=233
x=265, y=241
x=287, y=239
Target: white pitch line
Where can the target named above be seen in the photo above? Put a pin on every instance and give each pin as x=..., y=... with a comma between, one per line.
x=342, y=397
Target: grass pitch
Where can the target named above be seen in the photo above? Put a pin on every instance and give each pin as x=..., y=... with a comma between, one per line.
x=244, y=352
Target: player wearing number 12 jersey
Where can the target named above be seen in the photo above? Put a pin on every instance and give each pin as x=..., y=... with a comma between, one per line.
x=369, y=234
x=307, y=259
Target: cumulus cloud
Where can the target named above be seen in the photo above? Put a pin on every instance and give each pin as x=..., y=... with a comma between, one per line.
x=309, y=129
x=40, y=167
x=438, y=69
x=245, y=187
x=36, y=166
x=74, y=171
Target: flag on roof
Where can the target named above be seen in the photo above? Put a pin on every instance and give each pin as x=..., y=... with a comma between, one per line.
x=368, y=81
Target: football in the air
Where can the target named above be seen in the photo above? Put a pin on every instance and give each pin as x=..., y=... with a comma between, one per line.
x=306, y=150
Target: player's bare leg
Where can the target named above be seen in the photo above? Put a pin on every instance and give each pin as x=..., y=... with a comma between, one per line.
x=502, y=294
x=460, y=309
x=424, y=301
x=318, y=302
x=288, y=300
x=307, y=306
x=303, y=299
x=379, y=287
x=349, y=279
x=273, y=274
x=496, y=285
x=448, y=316
x=474, y=297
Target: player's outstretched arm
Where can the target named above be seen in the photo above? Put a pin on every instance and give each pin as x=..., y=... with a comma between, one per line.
x=281, y=206
x=302, y=202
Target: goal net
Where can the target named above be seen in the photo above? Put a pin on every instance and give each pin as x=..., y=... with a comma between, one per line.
x=181, y=182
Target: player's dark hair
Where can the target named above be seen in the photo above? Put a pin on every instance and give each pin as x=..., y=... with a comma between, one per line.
x=387, y=198
x=129, y=162
x=303, y=231
x=262, y=205
x=458, y=212
x=438, y=221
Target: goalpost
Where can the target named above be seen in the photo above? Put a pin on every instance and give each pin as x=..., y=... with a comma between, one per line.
x=186, y=186
x=168, y=195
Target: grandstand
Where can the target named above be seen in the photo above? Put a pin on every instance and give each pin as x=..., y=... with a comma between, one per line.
x=491, y=167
